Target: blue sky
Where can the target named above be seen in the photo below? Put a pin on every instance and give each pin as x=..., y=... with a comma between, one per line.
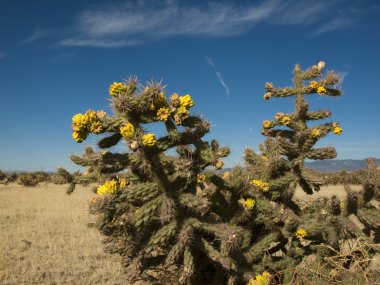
x=57, y=58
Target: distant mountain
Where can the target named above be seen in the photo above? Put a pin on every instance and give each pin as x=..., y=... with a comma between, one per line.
x=338, y=164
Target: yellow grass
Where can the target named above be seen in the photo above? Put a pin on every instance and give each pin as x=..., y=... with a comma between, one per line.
x=45, y=238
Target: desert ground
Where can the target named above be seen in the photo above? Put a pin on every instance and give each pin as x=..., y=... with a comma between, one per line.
x=45, y=238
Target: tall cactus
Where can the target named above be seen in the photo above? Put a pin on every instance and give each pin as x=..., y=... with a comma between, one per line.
x=291, y=131
x=172, y=221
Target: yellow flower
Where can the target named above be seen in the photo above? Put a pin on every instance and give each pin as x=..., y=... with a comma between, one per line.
x=160, y=100
x=101, y=114
x=110, y=187
x=263, y=186
x=152, y=107
x=337, y=130
x=321, y=64
x=267, y=96
x=301, y=233
x=249, y=204
x=201, y=178
x=163, y=114
x=263, y=157
x=96, y=127
x=79, y=123
x=149, y=140
x=267, y=124
x=316, y=133
x=174, y=99
x=186, y=101
x=181, y=114
x=321, y=90
x=226, y=175
x=219, y=164
x=127, y=131
x=313, y=84
x=117, y=88
x=278, y=116
x=122, y=182
x=262, y=279
x=285, y=120
x=268, y=86
x=79, y=136
x=90, y=116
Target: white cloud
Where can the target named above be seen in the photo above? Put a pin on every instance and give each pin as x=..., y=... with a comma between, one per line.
x=219, y=75
x=36, y=35
x=333, y=25
x=103, y=43
x=137, y=22
x=221, y=80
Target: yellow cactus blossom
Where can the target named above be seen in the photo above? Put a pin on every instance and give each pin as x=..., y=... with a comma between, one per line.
x=101, y=114
x=174, y=97
x=263, y=157
x=79, y=136
x=149, y=140
x=285, y=120
x=160, y=100
x=249, y=204
x=316, y=133
x=226, y=175
x=152, y=107
x=96, y=127
x=263, y=186
x=122, y=182
x=79, y=122
x=110, y=187
x=201, y=178
x=181, y=114
x=267, y=96
x=219, y=164
x=313, y=84
x=127, y=131
x=337, y=130
x=262, y=279
x=90, y=116
x=268, y=86
x=321, y=90
x=186, y=101
x=267, y=124
x=321, y=65
x=278, y=116
x=117, y=88
x=163, y=114
x=301, y=233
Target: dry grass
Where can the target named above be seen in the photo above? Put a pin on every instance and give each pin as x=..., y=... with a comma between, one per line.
x=45, y=238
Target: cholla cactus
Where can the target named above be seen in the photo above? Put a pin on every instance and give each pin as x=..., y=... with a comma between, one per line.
x=291, y=132
x=172, y=221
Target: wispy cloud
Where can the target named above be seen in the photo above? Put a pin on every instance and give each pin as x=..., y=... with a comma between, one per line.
x=334, y=25
x=142, y=21
x=36, y=35
x=3, y=54
x=219, y=75
x=103, y=43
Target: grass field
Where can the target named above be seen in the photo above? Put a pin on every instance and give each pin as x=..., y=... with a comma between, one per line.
x=45, y=238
